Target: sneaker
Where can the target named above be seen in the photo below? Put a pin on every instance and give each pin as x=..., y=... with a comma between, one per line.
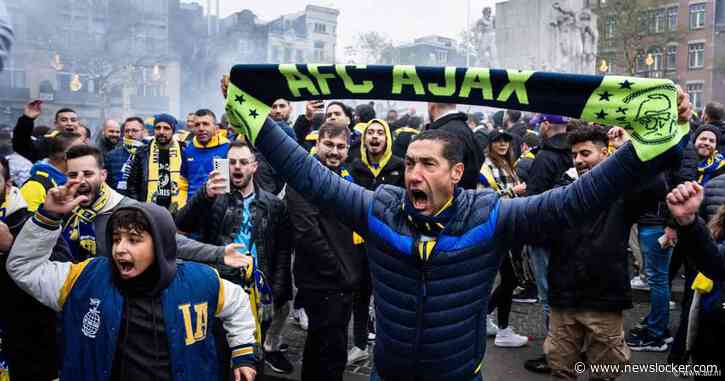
x=637, y=283
x=301, y=318
x=640, y=330
x=538, y=365
x=278, y=362
x=507, y=338
x=491, y=327
x=356, y=354
x=642, y=341
x=673, y=306
x=527, y=294
x=371, y=337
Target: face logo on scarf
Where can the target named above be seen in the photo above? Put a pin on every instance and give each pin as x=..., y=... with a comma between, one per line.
x=645, y=107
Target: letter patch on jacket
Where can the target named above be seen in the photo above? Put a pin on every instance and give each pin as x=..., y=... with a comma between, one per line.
x=195, y=333
x=92, y=319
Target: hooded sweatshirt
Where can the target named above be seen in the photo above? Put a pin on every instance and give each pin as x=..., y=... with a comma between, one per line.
x=43, y=177
x=142, y=349
x=388, y=170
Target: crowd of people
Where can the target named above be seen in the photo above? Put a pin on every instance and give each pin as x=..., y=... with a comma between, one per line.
x=114, y=249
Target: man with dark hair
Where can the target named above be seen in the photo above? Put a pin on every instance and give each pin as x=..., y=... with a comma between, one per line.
x=49, y=172
x=208, y=143
x=85, y=133
x=587, y=274
x=335, y=111
x=118, y=161
x=327, y=268
x=158, y=169
x=28, y=328
x=258, y=220
x=110, y=136
x=433, y=247
x=65, y=120
x=445, y=116
x=281, y=110
x=135, y=314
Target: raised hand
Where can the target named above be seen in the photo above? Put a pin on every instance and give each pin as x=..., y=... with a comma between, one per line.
x=63, y=199
x=684, y=202
x=684, y=107
x=618, y=136
x=33, y=109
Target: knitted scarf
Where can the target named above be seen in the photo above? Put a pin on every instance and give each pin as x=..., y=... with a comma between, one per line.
x=645, y=107
x=709, y=167
x=179, y=186
x=79, y=230
x=131, y=146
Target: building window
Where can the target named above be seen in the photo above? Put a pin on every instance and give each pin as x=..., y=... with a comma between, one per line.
x=696, y=92
x=672, y=18
x=275, y=54
x=287, y=54
x=320, y=28
x=639, y=65
x=441, y=56
x=300, y=56
x=660, y=20
x=671, y=58
x=611, y=25
x=319, y=54
x=696, y=55
x=697, y=16
x=657, y=63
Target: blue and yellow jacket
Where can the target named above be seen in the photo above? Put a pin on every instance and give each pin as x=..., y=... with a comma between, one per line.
x=193, y=299
x=43, y=177
x=200, y=160
x=432, y=291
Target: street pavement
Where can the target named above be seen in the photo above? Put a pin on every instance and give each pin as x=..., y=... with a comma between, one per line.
x=501, y=363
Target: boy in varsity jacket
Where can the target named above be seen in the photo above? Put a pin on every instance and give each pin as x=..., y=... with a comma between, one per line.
x=136, y=315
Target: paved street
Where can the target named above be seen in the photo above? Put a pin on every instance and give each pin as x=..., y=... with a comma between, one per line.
x=501, y=363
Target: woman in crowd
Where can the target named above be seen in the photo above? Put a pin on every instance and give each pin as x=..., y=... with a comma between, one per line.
x=498, y=174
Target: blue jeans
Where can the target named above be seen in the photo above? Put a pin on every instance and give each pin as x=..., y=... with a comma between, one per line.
x=374, y=376
x=656, y=267
x=539, y=257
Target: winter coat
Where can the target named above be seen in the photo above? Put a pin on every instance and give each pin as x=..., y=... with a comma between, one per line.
x=552, y=160
x=392, y=168
x=200, y=160
x=714, y=197
x=214, y=220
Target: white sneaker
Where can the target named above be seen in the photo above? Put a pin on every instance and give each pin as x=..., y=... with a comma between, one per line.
x=301, y=318
x=507, y=338
x=371, y=337
x=356, y=354
x=491, y=327
x=673, y=306
x=638, y=284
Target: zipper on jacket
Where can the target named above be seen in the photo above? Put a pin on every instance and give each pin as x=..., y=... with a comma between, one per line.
x=420, y=307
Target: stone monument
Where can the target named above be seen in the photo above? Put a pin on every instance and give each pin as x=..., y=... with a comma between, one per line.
x=548, y=35
x=486, y=30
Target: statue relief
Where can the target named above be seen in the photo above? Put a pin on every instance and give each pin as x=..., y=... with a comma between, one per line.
x=574, y=40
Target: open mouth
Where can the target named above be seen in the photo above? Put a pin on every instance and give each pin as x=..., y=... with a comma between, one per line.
x=419, y=199
x=237, y=176
x=125, y=267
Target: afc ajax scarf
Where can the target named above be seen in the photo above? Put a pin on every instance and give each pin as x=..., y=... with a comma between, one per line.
x=645, y=107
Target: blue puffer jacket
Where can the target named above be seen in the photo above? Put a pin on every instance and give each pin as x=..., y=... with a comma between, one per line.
x=431, y=314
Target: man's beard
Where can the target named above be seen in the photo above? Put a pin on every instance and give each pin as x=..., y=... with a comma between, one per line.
x=245, y=182
x=162, y=140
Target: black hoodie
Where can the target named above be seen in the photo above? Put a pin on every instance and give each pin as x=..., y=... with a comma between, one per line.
x=142, y=351
x=550, y=163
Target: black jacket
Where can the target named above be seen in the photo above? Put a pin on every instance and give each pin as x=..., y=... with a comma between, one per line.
x=392, y=174
x=714, y=197
x=137, y=183
x=402, y=138
x=24, y=144
x=266, y=178
x=29, y=326
x=472, y=154
x=325, y=257
x=588, y=264
x=552, y=160
x=105, y=145
x=218, y=221
x=688, y=165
